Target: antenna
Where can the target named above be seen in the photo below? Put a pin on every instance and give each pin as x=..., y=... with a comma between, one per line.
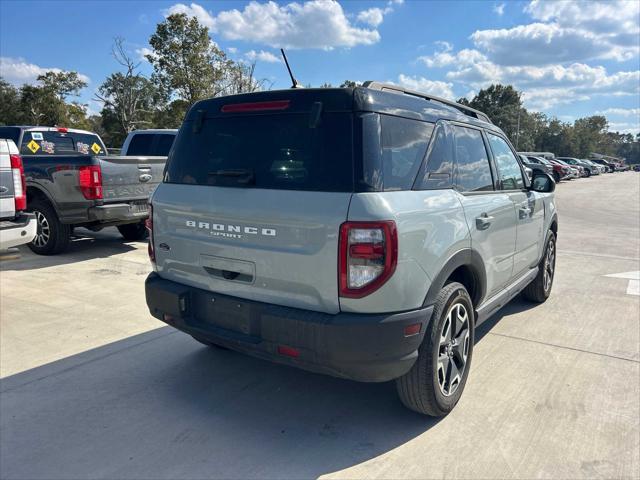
x=294, y=82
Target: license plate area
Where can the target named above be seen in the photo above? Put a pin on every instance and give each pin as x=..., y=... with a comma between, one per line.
x=223, y=312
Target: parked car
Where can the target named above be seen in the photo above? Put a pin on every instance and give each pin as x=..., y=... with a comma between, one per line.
x=536, y=164
x=610, y=168
x=16, y=226
x=560, y=172
x=574, y=170
x=154, y=143
x=587, y=170
x=311, y=227
x=598, y=168
x=636, y=168
x=71, y=182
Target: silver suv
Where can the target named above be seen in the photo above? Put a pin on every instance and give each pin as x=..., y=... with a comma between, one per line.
x=359, y=232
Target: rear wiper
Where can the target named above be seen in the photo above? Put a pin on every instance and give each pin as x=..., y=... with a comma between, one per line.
x=245, y=176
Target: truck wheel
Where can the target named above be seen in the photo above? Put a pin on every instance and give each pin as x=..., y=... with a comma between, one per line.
x=540, y=288
x=52, y=236
x=435, y=383
x=133, y=231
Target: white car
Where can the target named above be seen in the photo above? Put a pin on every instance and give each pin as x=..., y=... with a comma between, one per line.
x=16, y=226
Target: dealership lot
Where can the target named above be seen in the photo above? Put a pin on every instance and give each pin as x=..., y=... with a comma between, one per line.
x=93, y=386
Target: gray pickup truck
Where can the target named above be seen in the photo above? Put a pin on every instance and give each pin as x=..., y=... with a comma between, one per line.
x=17, y=227
x=359, y=232
x=71, y=181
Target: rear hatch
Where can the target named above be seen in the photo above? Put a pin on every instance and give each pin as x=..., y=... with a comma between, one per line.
x=255, y=191
x=126, y=178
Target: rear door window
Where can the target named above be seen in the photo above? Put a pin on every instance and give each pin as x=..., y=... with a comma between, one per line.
x=509, y=172
x=271, y=151
x=404, y=143
x=163, y=144
x=61, y=143
x=140, y=144
x=438, y=172
x=473, y=171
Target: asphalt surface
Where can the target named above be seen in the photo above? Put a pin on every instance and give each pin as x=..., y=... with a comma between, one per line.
x=93, y=387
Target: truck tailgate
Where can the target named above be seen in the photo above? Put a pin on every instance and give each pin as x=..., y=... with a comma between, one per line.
x=126, y=178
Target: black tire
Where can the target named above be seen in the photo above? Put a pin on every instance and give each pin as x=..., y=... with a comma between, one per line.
x=133, y=231
x=540, y=288
x=208, y=343
x=52, y=236
x=423, y=388
x=556, y=177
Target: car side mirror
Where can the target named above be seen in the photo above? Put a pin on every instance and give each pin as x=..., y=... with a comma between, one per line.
x=542, y=182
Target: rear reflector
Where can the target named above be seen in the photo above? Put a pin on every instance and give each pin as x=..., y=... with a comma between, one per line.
x=288, y=351
x=410, y=330
x=255, y=106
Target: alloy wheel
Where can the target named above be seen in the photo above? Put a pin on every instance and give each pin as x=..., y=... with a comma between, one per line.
x=44, y=230
x=453, y=349
x=549, y=265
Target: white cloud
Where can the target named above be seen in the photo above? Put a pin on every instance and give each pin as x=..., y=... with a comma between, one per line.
x=498, y=9
x=372, y=16
x=193, y=10
x=18, y=71
x=421, y=84
x=311, y=24
x=261, y=56
x=625, y=127
x=143, y=52
x=232, y=50
x=621, y=112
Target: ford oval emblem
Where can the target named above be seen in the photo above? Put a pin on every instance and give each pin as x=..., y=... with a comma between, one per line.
x=145, y=177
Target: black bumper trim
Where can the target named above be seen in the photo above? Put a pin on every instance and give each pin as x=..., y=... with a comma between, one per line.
x=363, y=347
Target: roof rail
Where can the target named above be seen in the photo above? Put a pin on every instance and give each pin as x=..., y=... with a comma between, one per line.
x=472, y=112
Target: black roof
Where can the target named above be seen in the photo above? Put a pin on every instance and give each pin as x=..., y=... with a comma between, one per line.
x=392, y=102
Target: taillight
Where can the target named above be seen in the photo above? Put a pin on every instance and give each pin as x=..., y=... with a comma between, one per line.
x=149, y=224
x=90, y=179
x=63, y=129
x=19, y=187
x=367, y=258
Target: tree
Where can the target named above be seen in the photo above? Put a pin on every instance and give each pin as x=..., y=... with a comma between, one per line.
x=185, y=61
x=62, y=84
x=10, y=103
x=503, y=105
x=128, y=98
x=350, y=84
x=240, y=78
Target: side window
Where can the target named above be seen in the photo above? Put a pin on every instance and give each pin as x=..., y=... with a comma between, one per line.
x=438, y=172
x=404, y=143
x=163, y=144
x=140, y=144
x=509, y=172
x=472, y=161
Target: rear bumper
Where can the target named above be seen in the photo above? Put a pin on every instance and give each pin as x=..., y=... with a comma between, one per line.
x=362, y=347
x=18, y=231
x=118, y=213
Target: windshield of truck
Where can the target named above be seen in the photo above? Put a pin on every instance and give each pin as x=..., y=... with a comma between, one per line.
x=273, y=151
x=43, y=142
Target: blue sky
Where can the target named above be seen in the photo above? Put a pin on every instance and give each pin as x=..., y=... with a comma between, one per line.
x=570, y=59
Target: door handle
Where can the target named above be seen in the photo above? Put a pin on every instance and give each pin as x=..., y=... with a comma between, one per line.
x=483, y=221
x=525, y=211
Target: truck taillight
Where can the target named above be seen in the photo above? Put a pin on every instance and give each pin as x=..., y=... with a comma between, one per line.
x=19, y=187
x=90, y=179
x=149, y=224
x=367, y=258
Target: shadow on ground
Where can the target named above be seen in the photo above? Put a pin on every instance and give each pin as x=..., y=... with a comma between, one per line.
x=84, y=245
x=160, y=405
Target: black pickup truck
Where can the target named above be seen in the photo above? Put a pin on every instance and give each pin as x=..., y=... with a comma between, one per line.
x=72, y=181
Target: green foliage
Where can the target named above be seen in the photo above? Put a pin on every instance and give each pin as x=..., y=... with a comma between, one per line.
x=186, y=62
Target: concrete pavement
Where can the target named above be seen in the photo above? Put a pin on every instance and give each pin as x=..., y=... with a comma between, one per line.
x=94, y=387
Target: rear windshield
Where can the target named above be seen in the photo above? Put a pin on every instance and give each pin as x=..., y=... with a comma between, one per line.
x=279, y=151
x=60, y=143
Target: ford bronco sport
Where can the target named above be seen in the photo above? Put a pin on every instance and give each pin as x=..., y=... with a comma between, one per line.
x=359, y=232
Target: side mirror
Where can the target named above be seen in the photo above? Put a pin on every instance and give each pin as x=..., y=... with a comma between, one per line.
x=542, y=182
